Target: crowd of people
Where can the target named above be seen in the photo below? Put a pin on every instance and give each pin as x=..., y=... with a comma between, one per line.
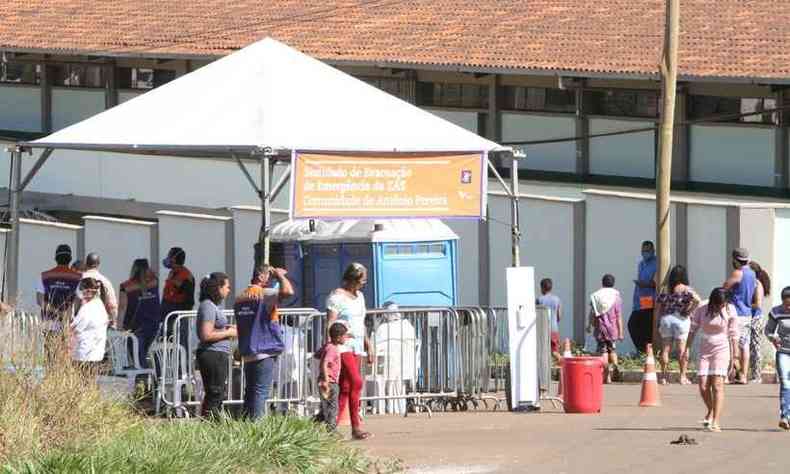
x=78, y=301
x=730, y=325
x=79, y=304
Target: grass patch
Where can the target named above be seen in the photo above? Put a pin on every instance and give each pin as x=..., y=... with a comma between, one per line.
x=58, y=421
x=273, y=444
x=50, y=404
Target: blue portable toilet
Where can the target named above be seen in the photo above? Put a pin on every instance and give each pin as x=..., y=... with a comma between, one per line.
x=413, y=262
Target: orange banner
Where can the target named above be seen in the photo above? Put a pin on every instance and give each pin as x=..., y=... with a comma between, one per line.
x=387, y=185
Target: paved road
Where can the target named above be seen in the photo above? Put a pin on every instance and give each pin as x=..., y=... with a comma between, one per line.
x=622, y=439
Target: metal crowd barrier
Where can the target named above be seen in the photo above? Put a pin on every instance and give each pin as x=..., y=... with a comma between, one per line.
x=22, y=333
x=416, y=354
x=179, y=385
x=424, y=358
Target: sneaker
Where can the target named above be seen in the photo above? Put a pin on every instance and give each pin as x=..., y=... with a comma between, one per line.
x=784, y=423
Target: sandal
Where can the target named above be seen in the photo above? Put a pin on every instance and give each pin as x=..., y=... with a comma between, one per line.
x=685, y=381
x=362, y=435
x=705, y=422
x=714, y=428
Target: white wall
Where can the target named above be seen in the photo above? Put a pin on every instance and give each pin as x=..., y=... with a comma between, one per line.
x=119, y=242
x=210, y=183
x=629, y=155
x=546, y=157
x=467, y=120
x=246, y=226
x=616, y=227
x=37, y=243
x=20, y=108
x=707, y=247
x=546, y=245
x=781, y=274
x=468, y=260
x=70, y=106
x=737, y=155
x=202, y=237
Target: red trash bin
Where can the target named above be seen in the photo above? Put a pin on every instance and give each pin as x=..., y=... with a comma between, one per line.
x=582, y=380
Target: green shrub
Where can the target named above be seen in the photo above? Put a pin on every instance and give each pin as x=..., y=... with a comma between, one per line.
x=274, y=444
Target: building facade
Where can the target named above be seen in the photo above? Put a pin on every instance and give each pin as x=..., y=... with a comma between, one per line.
x=562, y=73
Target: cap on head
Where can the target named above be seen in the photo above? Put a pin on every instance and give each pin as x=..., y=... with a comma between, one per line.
x=741, y=255
x=63, y=254
x=63, y=249
x=92, y=260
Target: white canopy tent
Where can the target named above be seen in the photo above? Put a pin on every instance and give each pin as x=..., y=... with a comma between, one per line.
x=262, y=101
x=266, y=95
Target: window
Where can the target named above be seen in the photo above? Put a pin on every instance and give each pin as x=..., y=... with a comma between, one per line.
x=19, y=73
x=416, y=250
x=401, y=88
x=622, y=103
x=538, y=99
x=77, y=75
x=436, y=94
x=142, y=78
x=702, y=107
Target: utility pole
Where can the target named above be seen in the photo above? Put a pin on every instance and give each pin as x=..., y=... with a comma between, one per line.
x=669, y=76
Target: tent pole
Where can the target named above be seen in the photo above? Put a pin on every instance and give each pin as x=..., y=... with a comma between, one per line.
x=514, y=211
x=37, y=166
x=12, y=249
x=266, y=212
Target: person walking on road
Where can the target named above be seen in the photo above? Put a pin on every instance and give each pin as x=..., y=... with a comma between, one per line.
x=640, y=324
x=742, y=285
x=347, y=303
x=777, y=330
x=606, y=323
x=553, y=302
x=718, y=324
x=762, y=291
x=675, y=305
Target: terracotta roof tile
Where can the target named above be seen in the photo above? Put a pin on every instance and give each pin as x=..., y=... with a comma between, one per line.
x=719, y=38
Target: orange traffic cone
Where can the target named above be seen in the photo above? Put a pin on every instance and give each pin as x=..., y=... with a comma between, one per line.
x=650, y=396
x=566, y=352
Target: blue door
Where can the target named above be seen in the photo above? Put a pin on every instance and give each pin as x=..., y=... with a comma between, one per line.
x=329, y=261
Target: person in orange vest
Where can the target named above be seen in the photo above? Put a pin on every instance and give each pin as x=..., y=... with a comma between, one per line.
x=56, y=295
x=179, y=292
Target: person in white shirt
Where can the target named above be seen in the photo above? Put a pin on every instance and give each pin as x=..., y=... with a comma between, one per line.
x=92, y=263
x=89, y=327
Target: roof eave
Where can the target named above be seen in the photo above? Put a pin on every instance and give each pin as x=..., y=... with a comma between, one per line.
x=460, y=68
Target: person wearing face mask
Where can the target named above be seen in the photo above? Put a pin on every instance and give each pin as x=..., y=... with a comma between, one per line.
x=179, y=291
x=640, y=324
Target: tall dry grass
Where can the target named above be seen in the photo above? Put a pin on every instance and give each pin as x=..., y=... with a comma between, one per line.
x=47, y=403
